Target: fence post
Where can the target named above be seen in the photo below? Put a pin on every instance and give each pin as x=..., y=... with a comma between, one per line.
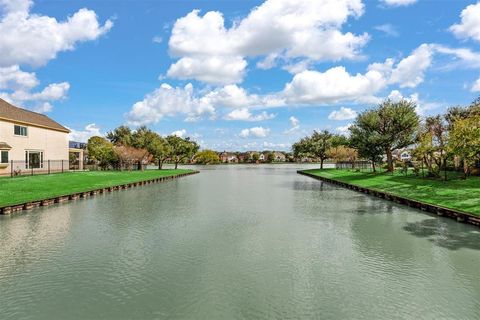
x=31, y=168
x=11, y=168
x=62, y=166
x=48, y=166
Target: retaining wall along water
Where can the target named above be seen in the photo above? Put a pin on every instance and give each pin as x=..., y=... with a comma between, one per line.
x=7, y=210
x=438, y=210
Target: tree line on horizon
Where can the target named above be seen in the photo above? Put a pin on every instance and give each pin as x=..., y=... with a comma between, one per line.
x=438, y=142
x=125, y=148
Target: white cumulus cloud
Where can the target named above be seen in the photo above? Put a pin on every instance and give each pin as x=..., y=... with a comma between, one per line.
x=214, y=70
x=294, y=125
x=17, y=87
x=89, y=131
x=245, y=115
x=343, y=130
x=180, y=133
x=343, y=114
x=423, y=107
x=168, y=101
x=15, y=79
x=470, y=25
x=277, y=29
x=35, y=39
x=333, y=85
x=398, y=3
x=255, y=132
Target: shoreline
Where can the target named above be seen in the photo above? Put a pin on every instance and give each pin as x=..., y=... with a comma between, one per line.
x=10, y=209
x=439, y=211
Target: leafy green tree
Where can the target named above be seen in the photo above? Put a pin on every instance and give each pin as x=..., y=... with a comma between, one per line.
x=464, y=140
x=101, y=150
x=431, y=144
x=121, y=136
x=457, y=113
x=142, y=137
x=365, y=137
x=316, y=146
x=160, y=149
x=181, y=149
x=301, y=149
x=270, y=157
x=255, y=157
x=396, y=124
x=320, y=143
x=339, y=140
x=207, y=157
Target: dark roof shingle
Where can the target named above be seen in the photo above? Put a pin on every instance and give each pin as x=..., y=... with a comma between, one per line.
x=14, y=114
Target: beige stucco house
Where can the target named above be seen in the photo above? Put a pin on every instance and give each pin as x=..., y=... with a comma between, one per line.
x=30, y=141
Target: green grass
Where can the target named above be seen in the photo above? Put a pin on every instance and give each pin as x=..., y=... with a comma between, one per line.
x=33, y=188
x=463, y=195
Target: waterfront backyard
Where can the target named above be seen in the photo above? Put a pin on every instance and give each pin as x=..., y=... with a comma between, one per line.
x=249, y=242
x=23, y=189
x=455, y=193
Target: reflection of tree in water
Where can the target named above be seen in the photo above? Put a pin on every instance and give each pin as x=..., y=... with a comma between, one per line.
x=450, y=235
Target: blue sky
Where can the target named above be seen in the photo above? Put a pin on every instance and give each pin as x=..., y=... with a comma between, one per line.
x=235, y=75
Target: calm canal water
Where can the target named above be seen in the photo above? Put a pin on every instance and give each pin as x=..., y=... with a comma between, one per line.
x=237, y=242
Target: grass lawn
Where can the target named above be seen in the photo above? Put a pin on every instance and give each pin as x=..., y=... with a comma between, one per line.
x=33, y=188
x=463, y=195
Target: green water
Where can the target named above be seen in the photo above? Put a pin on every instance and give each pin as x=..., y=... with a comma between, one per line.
x=237, y=242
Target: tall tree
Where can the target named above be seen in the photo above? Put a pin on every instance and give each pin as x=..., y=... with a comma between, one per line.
x=431, y=144
x=301, y=148
x=207, y=157
x=320, y=142
x=270, y=157
x=316, y=146
x=365, y=137
x=181, y=149
x=396, y=123
x=102, y=151
x=142, y=137
x=121, y=136
x=160, y=149
x=464, y=140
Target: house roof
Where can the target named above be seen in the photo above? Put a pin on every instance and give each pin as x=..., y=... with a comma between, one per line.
x=14, y=114
x=4, y=146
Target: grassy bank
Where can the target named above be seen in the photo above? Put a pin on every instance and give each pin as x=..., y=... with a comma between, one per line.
x=463, y=195
x=33, y=188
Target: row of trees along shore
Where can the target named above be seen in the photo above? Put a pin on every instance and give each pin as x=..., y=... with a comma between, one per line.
x=438, y=142
x=125, y=148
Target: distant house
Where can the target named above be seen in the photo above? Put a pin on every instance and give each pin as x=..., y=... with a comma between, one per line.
x=279, y=156
x=244, y=157
x=28, y=139
x=228, y=157
x=262, y=157
x=402, y=154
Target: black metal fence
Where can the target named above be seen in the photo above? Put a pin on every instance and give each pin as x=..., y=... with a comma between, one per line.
x=15, y=168
x=361, y=165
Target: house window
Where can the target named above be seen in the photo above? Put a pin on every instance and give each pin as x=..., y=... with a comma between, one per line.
x=4, y=156
x=20, y=130
x=33, y=159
